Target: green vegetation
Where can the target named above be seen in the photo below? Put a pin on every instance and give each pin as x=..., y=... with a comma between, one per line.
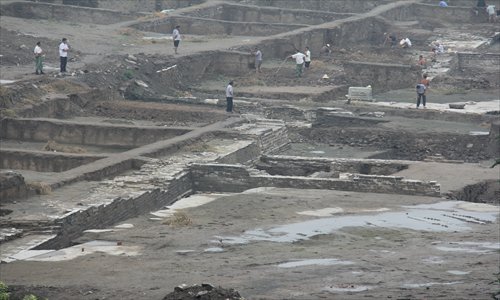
x=4, y=291
x=128, y=74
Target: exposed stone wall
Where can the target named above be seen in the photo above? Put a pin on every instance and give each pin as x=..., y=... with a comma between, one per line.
x=494, y=140
x=381, y=77
x=236, y=178
x=403, y=144
x=237, y=13
x=43, y=161
x=422, y=12
x=84, y=134
x=301, y=166
x=73, y=224
x=354, y=6
x=202, y=26
x=146, y=5
x=485, y=64
x=242, y=155
x=272, y=135
x=64, y=13
x=327, y=118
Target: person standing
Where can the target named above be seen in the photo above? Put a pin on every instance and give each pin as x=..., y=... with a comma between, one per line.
x=176, y=37
x=258, y=59
x=299, y=62
x=307, y=59
x=421, y=61
x=490, y=9
x=63, y=54
x=38, y=58
x=229, y=97
x=422, y=89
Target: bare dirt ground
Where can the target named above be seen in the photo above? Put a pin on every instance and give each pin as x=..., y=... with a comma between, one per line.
x=267, y=243
x=226, y=243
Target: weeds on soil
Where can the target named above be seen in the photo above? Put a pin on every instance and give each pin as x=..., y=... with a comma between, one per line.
x=41, y=188
x=179, y=219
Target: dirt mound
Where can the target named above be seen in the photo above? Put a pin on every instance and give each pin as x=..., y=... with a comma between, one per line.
x=483, y=192
x=17, y=48
x=204, y=291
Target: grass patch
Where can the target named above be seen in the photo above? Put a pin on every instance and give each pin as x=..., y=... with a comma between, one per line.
x=128, y=74
x=178, y=219
x=7, y=113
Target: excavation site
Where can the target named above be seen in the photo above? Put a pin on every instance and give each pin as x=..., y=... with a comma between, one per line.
x=249, y=149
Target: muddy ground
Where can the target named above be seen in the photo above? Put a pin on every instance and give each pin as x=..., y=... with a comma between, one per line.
x=229, y=242
x=221, y=246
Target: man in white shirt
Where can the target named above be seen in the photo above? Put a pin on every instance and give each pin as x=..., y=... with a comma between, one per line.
x=490, y=9
x=307, y=59
x=176, y=37
x=229, y=97
x=63, y=54
x=38, y=58
x=299, y=61
x=258, y=59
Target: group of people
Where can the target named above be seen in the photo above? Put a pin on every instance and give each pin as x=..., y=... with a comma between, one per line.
x=40, y=55
x=391, y=39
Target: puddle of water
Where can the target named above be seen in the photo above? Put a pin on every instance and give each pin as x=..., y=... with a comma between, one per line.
x=5, y=81
x=214, y=250
x=477, y=206
x=191, y=201
x=343, y=288
x=317, y=152
x=429, y=217
x=460, y=249
x=325, y=212
x=184, y=252
x=124, y=226
x=428, y=284
x=457, y=272
x=486, y=245
x=433, y=260
x=108, y=247
x=315, y=262
x=98, y=230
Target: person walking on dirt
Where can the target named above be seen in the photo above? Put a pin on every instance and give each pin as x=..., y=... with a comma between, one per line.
x=299, y=62
x=490, y=9
x=229, y=97
x=38, y=58
x=176, y=37
x=421, y=90
x=63, y=54
x=258, y=59
x=307, y=59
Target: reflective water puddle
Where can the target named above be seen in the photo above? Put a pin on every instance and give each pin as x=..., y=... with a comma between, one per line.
x=439, y=217
x=315, y=262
